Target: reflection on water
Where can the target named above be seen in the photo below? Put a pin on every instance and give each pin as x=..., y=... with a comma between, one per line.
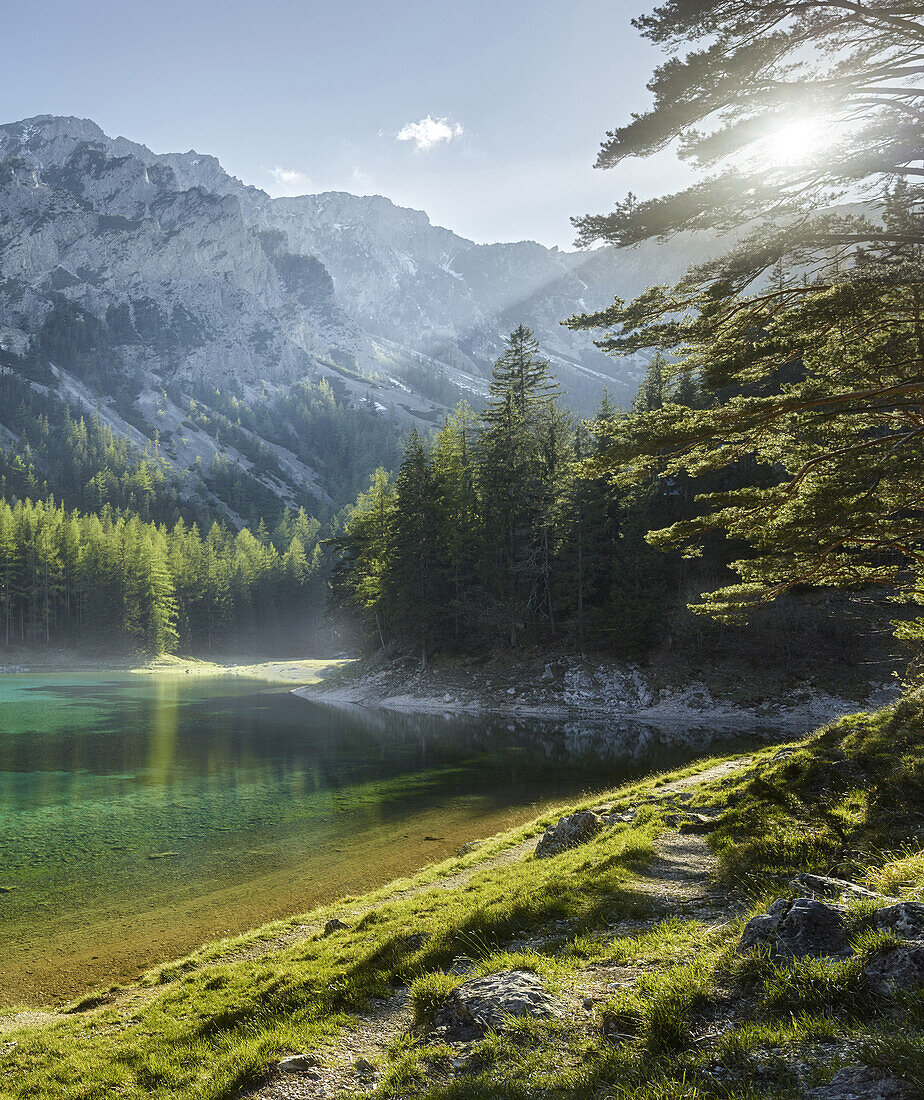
x=115, y=791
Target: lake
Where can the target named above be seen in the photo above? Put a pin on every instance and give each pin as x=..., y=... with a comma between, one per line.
x=143, y=815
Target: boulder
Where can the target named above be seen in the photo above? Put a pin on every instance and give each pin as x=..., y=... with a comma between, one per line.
x=862, y=1083
x=905, y=920
x=483, y=1004
x=333, y=925
x=897, y=970
x=569, y=832
x=791, y=929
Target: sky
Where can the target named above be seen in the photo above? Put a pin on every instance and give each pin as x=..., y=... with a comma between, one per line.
x=488, y=114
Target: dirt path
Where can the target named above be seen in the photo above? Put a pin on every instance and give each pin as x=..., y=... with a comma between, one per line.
x=680, y=879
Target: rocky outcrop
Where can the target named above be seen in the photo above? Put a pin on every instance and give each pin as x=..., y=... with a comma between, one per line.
x=862, y=1083
x=106, y=221
x=897, y=970
x=805, y=926
x=569, y=832
x=487, y=1004
x=905, y=919
x=791, y=929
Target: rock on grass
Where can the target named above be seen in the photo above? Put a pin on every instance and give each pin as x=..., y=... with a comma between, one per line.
x=862, y=1083
x=900, y=969
x=791, y=929
x=569, y=832
x=484, y=1004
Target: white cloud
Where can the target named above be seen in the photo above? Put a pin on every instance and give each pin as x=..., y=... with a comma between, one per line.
x=429, y=131
x=287, y=182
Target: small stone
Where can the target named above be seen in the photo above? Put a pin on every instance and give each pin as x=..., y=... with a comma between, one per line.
x=298, y=1063
x=862, y=1083
x=569, y=832
x=511, y=691
x=363, y=1066
x=697, y=825
x=333, y=925
x=483, y=1004
x=470, y=847
x=588, y=1004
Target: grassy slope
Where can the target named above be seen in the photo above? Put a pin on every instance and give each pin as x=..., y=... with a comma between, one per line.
x=696, y=1021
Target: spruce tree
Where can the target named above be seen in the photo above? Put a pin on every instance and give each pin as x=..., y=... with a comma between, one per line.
x=416, y=575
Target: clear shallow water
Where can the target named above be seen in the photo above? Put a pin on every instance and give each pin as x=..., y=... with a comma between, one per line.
x=141, y=815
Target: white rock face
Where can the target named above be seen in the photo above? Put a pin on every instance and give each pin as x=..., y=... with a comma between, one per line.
x=408, y=299
x=161, y=274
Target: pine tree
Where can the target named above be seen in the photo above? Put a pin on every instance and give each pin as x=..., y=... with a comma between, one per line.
x=455, y=474
x=520, y=449
x=416, y=575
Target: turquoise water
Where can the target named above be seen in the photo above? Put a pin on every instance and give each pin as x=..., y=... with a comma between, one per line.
x=140, y=815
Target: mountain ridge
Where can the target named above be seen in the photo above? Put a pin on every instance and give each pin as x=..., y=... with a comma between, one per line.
x=150, y=280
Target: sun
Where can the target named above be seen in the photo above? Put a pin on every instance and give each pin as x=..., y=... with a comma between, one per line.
x=796, y=142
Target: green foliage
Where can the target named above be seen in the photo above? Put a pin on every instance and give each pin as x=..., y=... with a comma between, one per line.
x=489, y=533
x=740, y=81
x=66, y=576
x=81, y=460
x=316, y=422
x=805, y=336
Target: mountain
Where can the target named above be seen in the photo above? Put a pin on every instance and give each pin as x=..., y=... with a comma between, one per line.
x=148, y=285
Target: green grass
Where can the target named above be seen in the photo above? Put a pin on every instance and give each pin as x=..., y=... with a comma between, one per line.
x=842, y=803
x=686, y=1017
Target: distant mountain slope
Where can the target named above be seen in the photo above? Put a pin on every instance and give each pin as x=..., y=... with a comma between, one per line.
x=143, y=281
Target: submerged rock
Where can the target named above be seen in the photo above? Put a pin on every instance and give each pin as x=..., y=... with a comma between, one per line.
x=791, y=929
x=569, y=832
x=484, y=1004
x=862, y=1083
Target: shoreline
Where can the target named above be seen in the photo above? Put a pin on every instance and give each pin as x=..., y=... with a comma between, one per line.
x=570, y=687
x=297, y=670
